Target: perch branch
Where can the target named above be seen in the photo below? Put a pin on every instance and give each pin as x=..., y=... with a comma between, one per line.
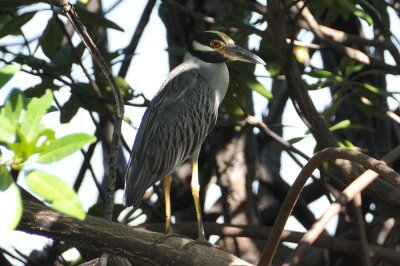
x=137, y=245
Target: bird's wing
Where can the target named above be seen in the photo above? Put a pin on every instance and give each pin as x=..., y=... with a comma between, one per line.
x=174, y=125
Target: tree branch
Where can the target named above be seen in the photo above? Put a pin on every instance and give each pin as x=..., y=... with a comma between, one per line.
x=262, y=232
x=130, y=49
x=328, y=154
x=137, y=245
x=305, y=107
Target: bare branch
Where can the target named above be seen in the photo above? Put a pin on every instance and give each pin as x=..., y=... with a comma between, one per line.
x=328, y=154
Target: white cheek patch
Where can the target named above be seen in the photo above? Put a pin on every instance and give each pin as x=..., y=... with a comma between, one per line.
x=201, y=47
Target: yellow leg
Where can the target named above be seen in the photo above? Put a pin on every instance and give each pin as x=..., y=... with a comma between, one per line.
x=195, y=186
x=167, y=186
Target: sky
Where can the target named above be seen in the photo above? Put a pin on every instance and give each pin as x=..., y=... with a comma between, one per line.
x=148, y=70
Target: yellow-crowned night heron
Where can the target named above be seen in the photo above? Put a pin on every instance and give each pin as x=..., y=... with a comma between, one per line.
x=179, y=118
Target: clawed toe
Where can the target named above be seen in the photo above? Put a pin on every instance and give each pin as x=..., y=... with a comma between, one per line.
x=198, y=241
x=170, y=234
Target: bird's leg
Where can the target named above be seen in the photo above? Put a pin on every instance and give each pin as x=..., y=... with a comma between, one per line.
x=167, y=187
x=168, y=226
x=195, y=186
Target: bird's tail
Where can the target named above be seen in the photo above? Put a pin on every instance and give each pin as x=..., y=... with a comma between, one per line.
x=135, y=185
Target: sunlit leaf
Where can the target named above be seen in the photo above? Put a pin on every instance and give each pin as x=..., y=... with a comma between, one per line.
x=7, y=72
x=69, y=207
x=256, y=86
x=371, y=88
x=363, y=15
x=7, y=130
x=125, y=88
x=55, y=191
x=301, y=54
x=10, y=202
x=36, y=109
x=341, y=125
x=63, y=147
x=320, y=73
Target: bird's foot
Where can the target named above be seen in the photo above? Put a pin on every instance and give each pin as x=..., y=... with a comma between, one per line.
x=199, y=241
x=167, y=235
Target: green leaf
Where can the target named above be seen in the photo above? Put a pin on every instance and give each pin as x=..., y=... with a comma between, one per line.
x=89, y=18
x=67, y=55
x=63, y=147
x=97, y=210
x=126, y=90
x=7, y=130
x=36, y=109
x=55, y=191
x=363, y=15
x=301, y=54
x=341, y=125
x=256, y=86
x=51, y=38
x=13, y=27
x=13, y=107
x=70, y=108
x=5, y=179
x=346, y=144
x=10, y=202
x=69, y=207
x=295, y=140
x=7, y=72
x=371, y=88
x=319, y=73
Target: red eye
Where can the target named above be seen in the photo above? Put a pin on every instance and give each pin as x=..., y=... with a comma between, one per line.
x=215, y=44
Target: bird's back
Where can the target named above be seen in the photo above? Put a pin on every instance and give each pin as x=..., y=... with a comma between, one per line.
x=174, y=125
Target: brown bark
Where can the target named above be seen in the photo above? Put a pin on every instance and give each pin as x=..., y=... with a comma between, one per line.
x=139, y=246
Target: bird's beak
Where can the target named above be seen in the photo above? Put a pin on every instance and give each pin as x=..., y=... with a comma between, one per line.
x=234, y=52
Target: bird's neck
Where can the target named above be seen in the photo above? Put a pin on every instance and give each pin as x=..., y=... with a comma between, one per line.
x=216, y=73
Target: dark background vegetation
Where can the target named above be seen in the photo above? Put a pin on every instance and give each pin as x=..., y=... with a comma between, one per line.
x=235, y=155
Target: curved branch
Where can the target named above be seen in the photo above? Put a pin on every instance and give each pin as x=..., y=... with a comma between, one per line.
x=328, y=154
x=351, y=191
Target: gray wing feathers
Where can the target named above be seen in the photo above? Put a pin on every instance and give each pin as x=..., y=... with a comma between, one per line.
x=175, y=124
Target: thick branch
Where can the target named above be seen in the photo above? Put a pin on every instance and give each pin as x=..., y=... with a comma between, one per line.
x=112, y=238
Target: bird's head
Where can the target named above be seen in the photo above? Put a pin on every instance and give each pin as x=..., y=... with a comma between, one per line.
x=217, y=47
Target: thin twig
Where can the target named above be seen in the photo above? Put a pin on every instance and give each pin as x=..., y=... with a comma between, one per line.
x=119, y=104
x=357, y=204
x=333, y=39
x=130, y=49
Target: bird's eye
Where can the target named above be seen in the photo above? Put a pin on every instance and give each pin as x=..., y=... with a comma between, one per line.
x=215, y=44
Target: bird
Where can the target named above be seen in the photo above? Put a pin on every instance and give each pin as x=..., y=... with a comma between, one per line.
x=179, y=117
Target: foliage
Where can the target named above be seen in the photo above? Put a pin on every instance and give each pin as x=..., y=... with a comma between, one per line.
x=25, y=136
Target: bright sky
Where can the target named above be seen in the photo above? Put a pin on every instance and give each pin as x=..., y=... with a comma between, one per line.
x=147, y=73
